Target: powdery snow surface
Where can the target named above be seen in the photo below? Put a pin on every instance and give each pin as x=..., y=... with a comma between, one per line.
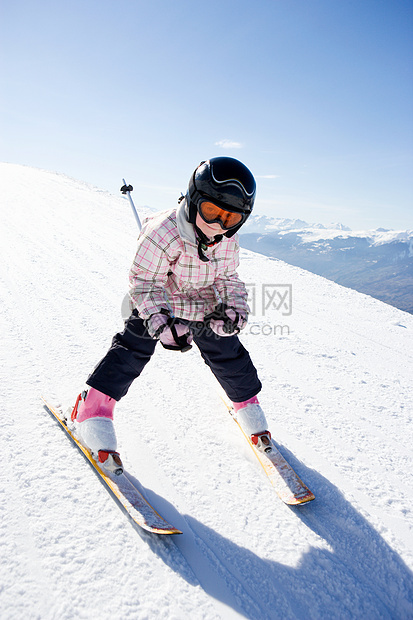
x=336, y=368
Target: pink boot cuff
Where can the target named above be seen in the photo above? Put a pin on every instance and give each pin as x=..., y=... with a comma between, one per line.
x=253, y=401
x=96, y=405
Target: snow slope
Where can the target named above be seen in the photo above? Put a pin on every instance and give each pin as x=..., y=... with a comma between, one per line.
x=337, y=372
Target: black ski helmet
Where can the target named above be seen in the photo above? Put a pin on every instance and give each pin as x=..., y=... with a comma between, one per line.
x=225, y=181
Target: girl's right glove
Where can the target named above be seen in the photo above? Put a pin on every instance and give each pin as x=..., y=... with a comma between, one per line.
x=173, y=335
x=226, y=320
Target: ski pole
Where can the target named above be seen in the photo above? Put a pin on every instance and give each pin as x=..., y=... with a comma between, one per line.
x=126, y=189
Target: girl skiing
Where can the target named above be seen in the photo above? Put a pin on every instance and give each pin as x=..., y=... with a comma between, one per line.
x=184, y=289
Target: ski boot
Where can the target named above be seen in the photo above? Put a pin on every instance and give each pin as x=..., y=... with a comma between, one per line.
x=92, y=418
x=251, y=419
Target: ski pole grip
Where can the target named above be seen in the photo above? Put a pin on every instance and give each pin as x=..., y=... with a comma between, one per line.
x=126, y=188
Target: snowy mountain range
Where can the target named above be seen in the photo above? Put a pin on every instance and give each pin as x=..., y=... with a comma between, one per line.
x=376, y=262
x=337, y=391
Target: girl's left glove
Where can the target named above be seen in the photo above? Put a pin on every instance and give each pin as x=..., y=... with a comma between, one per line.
x=226, y=320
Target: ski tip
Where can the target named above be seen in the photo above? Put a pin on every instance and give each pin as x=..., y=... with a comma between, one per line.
x=163, y=530
x=172, y=531
x=299, y=501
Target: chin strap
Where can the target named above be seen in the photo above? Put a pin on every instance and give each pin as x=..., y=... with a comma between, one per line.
x=204, y=243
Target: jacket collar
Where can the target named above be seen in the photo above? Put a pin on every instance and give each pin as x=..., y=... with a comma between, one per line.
x=185, y=228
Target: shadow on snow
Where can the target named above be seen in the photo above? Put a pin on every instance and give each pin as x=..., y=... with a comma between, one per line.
x=360, y=575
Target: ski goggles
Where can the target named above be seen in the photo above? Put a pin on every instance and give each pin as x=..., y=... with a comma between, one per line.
x=211, y=213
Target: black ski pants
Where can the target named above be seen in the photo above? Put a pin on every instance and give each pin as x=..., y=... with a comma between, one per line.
x=132, y=349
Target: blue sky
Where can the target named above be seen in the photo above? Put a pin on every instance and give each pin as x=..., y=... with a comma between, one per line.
x=315, y=96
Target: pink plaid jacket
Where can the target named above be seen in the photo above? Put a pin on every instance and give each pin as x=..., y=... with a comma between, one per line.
x=167, y=272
